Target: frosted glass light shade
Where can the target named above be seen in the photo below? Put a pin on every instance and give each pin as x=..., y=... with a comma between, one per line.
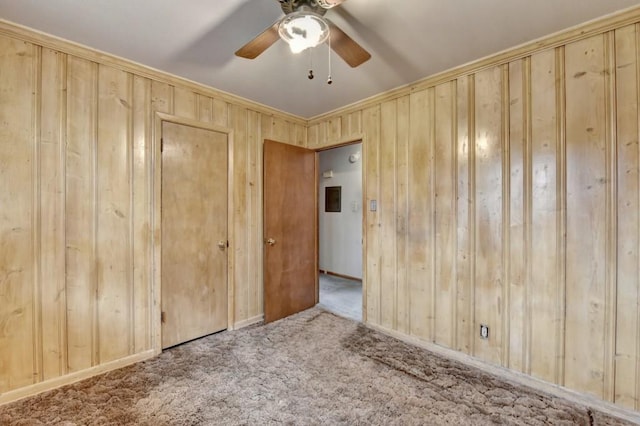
x=303, y=30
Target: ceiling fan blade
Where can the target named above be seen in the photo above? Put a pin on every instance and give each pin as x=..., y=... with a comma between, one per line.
x=260, y=43
x=352, y=53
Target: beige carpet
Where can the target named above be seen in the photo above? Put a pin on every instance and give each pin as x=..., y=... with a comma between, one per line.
x=310, y=369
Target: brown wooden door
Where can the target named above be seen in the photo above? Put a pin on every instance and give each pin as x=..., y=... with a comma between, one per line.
x=194, y=232
x=290, y=266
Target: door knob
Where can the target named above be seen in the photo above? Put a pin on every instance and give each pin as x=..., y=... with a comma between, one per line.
x=222, y=245
x=270, y=241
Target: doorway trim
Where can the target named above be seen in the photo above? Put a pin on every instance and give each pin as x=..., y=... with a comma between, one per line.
x=155, y=226
x=351, y=140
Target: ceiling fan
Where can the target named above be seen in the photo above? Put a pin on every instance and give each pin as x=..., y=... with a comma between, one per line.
x=304, y=26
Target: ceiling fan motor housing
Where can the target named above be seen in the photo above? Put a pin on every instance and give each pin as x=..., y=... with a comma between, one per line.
x=315, y=6
x=328, y=4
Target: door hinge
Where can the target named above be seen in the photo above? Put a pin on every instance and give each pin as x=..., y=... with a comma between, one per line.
x=162, y=317
x=161, y=145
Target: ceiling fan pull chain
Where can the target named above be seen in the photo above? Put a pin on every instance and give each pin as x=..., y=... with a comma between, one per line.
x=310, y=76
x=329, y=80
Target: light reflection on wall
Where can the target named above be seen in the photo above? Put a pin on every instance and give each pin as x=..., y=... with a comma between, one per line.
x=482, y=145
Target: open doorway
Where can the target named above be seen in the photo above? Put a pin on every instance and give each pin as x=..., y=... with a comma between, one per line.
x=340, y=230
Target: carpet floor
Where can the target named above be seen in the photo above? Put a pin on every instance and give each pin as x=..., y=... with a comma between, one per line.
x=312, y=368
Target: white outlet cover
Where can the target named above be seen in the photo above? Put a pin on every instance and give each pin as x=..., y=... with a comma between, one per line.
x=484, y=331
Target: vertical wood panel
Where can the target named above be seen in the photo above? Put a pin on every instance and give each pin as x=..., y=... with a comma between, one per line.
x=161, y=97
x=489, y=182
x=17, y=342
x=561, y=191
x=80, y=212
x=322, y=135
x=351, y=124
x=297, y=135
x=220, y=112
x=444, y=190
x=312, y=136
x=52, y=241
x=36, y=208
x=519, y=92
x=371, y=122
x=292, y=137
x=141, y=261
x=586, y=198
x=628, y=203
x=267, y=128
x=544, y=211
x=345, y=125
x=205, y=108
x=419, y=273
x=472, y=329
x=114, y=214
x=611, y=216
x=402, y=216
x=239, y=234
x=280, y=129
x=255, y=245
x=506, y=234
x=334, y=130
x=464, y=320
x=387, y=213
x=301, y=135
x=185, y=103
x=355, y=122
x=430, y=223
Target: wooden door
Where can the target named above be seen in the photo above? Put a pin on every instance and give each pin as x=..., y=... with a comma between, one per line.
x=194, y=232
x=290, y=261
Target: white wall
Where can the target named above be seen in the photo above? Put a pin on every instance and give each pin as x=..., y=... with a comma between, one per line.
x=341, y=233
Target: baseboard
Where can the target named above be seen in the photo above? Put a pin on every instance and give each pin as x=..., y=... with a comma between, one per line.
x=68, y=379
x=335, y=274
x=517, y=377
x=249, y=321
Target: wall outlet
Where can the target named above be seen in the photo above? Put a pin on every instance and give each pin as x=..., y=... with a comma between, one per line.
x=484, y=331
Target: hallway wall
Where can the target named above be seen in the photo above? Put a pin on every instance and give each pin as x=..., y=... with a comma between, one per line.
x=340, y=233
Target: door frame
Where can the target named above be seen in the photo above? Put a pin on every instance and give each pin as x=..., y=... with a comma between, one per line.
x=156, y=229
x=351, y=140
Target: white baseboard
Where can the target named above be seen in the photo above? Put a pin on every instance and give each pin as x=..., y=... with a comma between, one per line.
x=517, y=377
x=249, y=321
x=335, y=274
x=67, y=379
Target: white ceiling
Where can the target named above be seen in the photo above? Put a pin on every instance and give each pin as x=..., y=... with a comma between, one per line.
x=408, y=40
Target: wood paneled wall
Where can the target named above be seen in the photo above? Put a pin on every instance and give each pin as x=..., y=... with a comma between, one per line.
x=76, y=219
x=508, y=195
